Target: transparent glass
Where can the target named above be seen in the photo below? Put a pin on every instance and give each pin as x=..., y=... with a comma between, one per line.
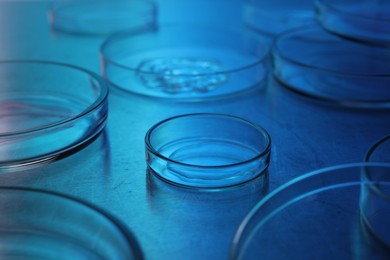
x=186, y=63
x=365, y=20
x=101, y=17
x=38, y=224
x=316, y=216
x=48, y=110
x=320, y=65
x=207, y=150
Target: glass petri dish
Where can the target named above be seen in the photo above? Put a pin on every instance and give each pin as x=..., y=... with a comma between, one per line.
x=315, y=216
x=47, y=111
x=185, y=63
x=207, y=150
x=101, y=17
x=377, y=198
x=274, y=17
x=320, y=65
x=37, y=224
x=365, y=20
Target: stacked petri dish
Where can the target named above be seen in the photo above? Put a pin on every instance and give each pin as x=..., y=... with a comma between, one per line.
x=331, y=62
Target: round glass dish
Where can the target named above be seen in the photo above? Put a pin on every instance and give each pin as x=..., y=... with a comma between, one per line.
x=185, y=62
x=273, y=17
x=365, y=20
x=207, y=150
x=101, y=17
x=315, y=216
x=320, y=65
x=47, y=110
x=36, y=224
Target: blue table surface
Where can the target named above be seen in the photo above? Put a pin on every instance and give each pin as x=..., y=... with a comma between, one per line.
x=171, y=222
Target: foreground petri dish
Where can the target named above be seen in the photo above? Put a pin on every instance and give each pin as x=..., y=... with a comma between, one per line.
x=365, y=20
x=323, y=66
x=48, y=110
x=37, y=224
x=101, y=17
x=317, y=216
x=185, y=62
x=274, y=17
x=207, y=150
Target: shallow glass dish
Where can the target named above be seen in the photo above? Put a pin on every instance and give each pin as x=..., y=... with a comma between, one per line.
x=365, y=20
x=47, y=111
x=273, y=17
x=326, y=67
x=318, y=215
x=185, y=63
x=101, y=17
x=207, y=150
x=36, y=224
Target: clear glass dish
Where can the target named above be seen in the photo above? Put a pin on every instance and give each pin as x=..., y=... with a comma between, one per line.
x=48, y=111
x=36, y=224
x=317, y=216
x=186, y=63
x=207, y=150
x=315, y=63
x=274, y=17
x=365, y=20
x=101, y=17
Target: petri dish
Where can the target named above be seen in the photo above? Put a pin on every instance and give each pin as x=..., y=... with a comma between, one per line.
x=207, y=150
x=48, y=110
x=364, y=20
x=101, y=17
x=187, y=63
x=274, y=17
x=315, y=216
x=376, y=206
x=323, y=66
x=37, y=224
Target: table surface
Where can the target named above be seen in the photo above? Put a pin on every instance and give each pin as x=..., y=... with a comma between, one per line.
x=171, y=222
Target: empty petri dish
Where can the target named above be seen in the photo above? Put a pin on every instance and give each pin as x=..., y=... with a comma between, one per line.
x=207, y=150
x=321, y=65
x=47, y=111
x=36, y=224
x=365, y=20
x=185, y=62
x=101, y=17
x=274, y=17
x=315, y=216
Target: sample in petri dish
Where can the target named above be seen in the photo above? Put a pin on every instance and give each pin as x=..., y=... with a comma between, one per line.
x=318, y=215
x=326, y=67
x=37, y=224
x=185, y=63
x=376, y=204
x=101, y=17
x=364, y=20
x=48, y=110
x=274, y=17
x=207, y=150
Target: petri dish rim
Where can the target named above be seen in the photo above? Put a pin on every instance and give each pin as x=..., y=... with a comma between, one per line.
x=276, y=51
x=124, y=34
x=99, y=101
x=240, y=231
x=127, y=234
x=260, y=129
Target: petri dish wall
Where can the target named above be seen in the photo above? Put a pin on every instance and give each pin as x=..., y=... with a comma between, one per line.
x=323, y=66
x=186, y=63
x=207, y=150
x=316, y=216
x=37, y=224
x=48, y=110
x=364, y=20
x=101, y=17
